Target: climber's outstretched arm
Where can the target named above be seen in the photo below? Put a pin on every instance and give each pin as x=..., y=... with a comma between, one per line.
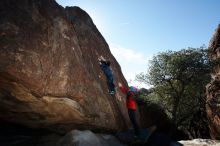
x=101, y=60
x=122, y=88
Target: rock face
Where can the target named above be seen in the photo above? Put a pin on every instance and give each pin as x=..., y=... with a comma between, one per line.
x=49, y=73
x=213, y=88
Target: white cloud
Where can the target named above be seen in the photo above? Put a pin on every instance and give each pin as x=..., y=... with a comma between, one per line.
x=128, y=55
x=131, y=62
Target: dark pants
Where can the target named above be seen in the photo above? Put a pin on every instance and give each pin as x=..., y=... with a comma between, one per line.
x=110, y=83
x=132, y=117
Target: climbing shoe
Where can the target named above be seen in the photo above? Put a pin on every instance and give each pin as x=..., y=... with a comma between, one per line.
x=112, y=92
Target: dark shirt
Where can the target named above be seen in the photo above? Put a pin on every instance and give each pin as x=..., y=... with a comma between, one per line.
x=106, y=69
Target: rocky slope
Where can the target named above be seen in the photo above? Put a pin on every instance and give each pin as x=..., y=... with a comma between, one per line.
x=49, y=73
x=213, y=88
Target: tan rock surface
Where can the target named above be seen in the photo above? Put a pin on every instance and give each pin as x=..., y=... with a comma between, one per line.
x=49, y=73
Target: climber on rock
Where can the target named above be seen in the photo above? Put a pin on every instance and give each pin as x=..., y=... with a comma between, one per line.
x=105, y=66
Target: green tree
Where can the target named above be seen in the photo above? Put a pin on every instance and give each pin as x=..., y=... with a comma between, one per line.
x=178, y=79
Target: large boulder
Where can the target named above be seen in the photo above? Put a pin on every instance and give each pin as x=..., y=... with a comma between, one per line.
x=213, y=88
x=153, y=114
x=49, y=73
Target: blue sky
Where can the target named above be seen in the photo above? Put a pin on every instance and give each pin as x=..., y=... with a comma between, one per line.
x=136, y=30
